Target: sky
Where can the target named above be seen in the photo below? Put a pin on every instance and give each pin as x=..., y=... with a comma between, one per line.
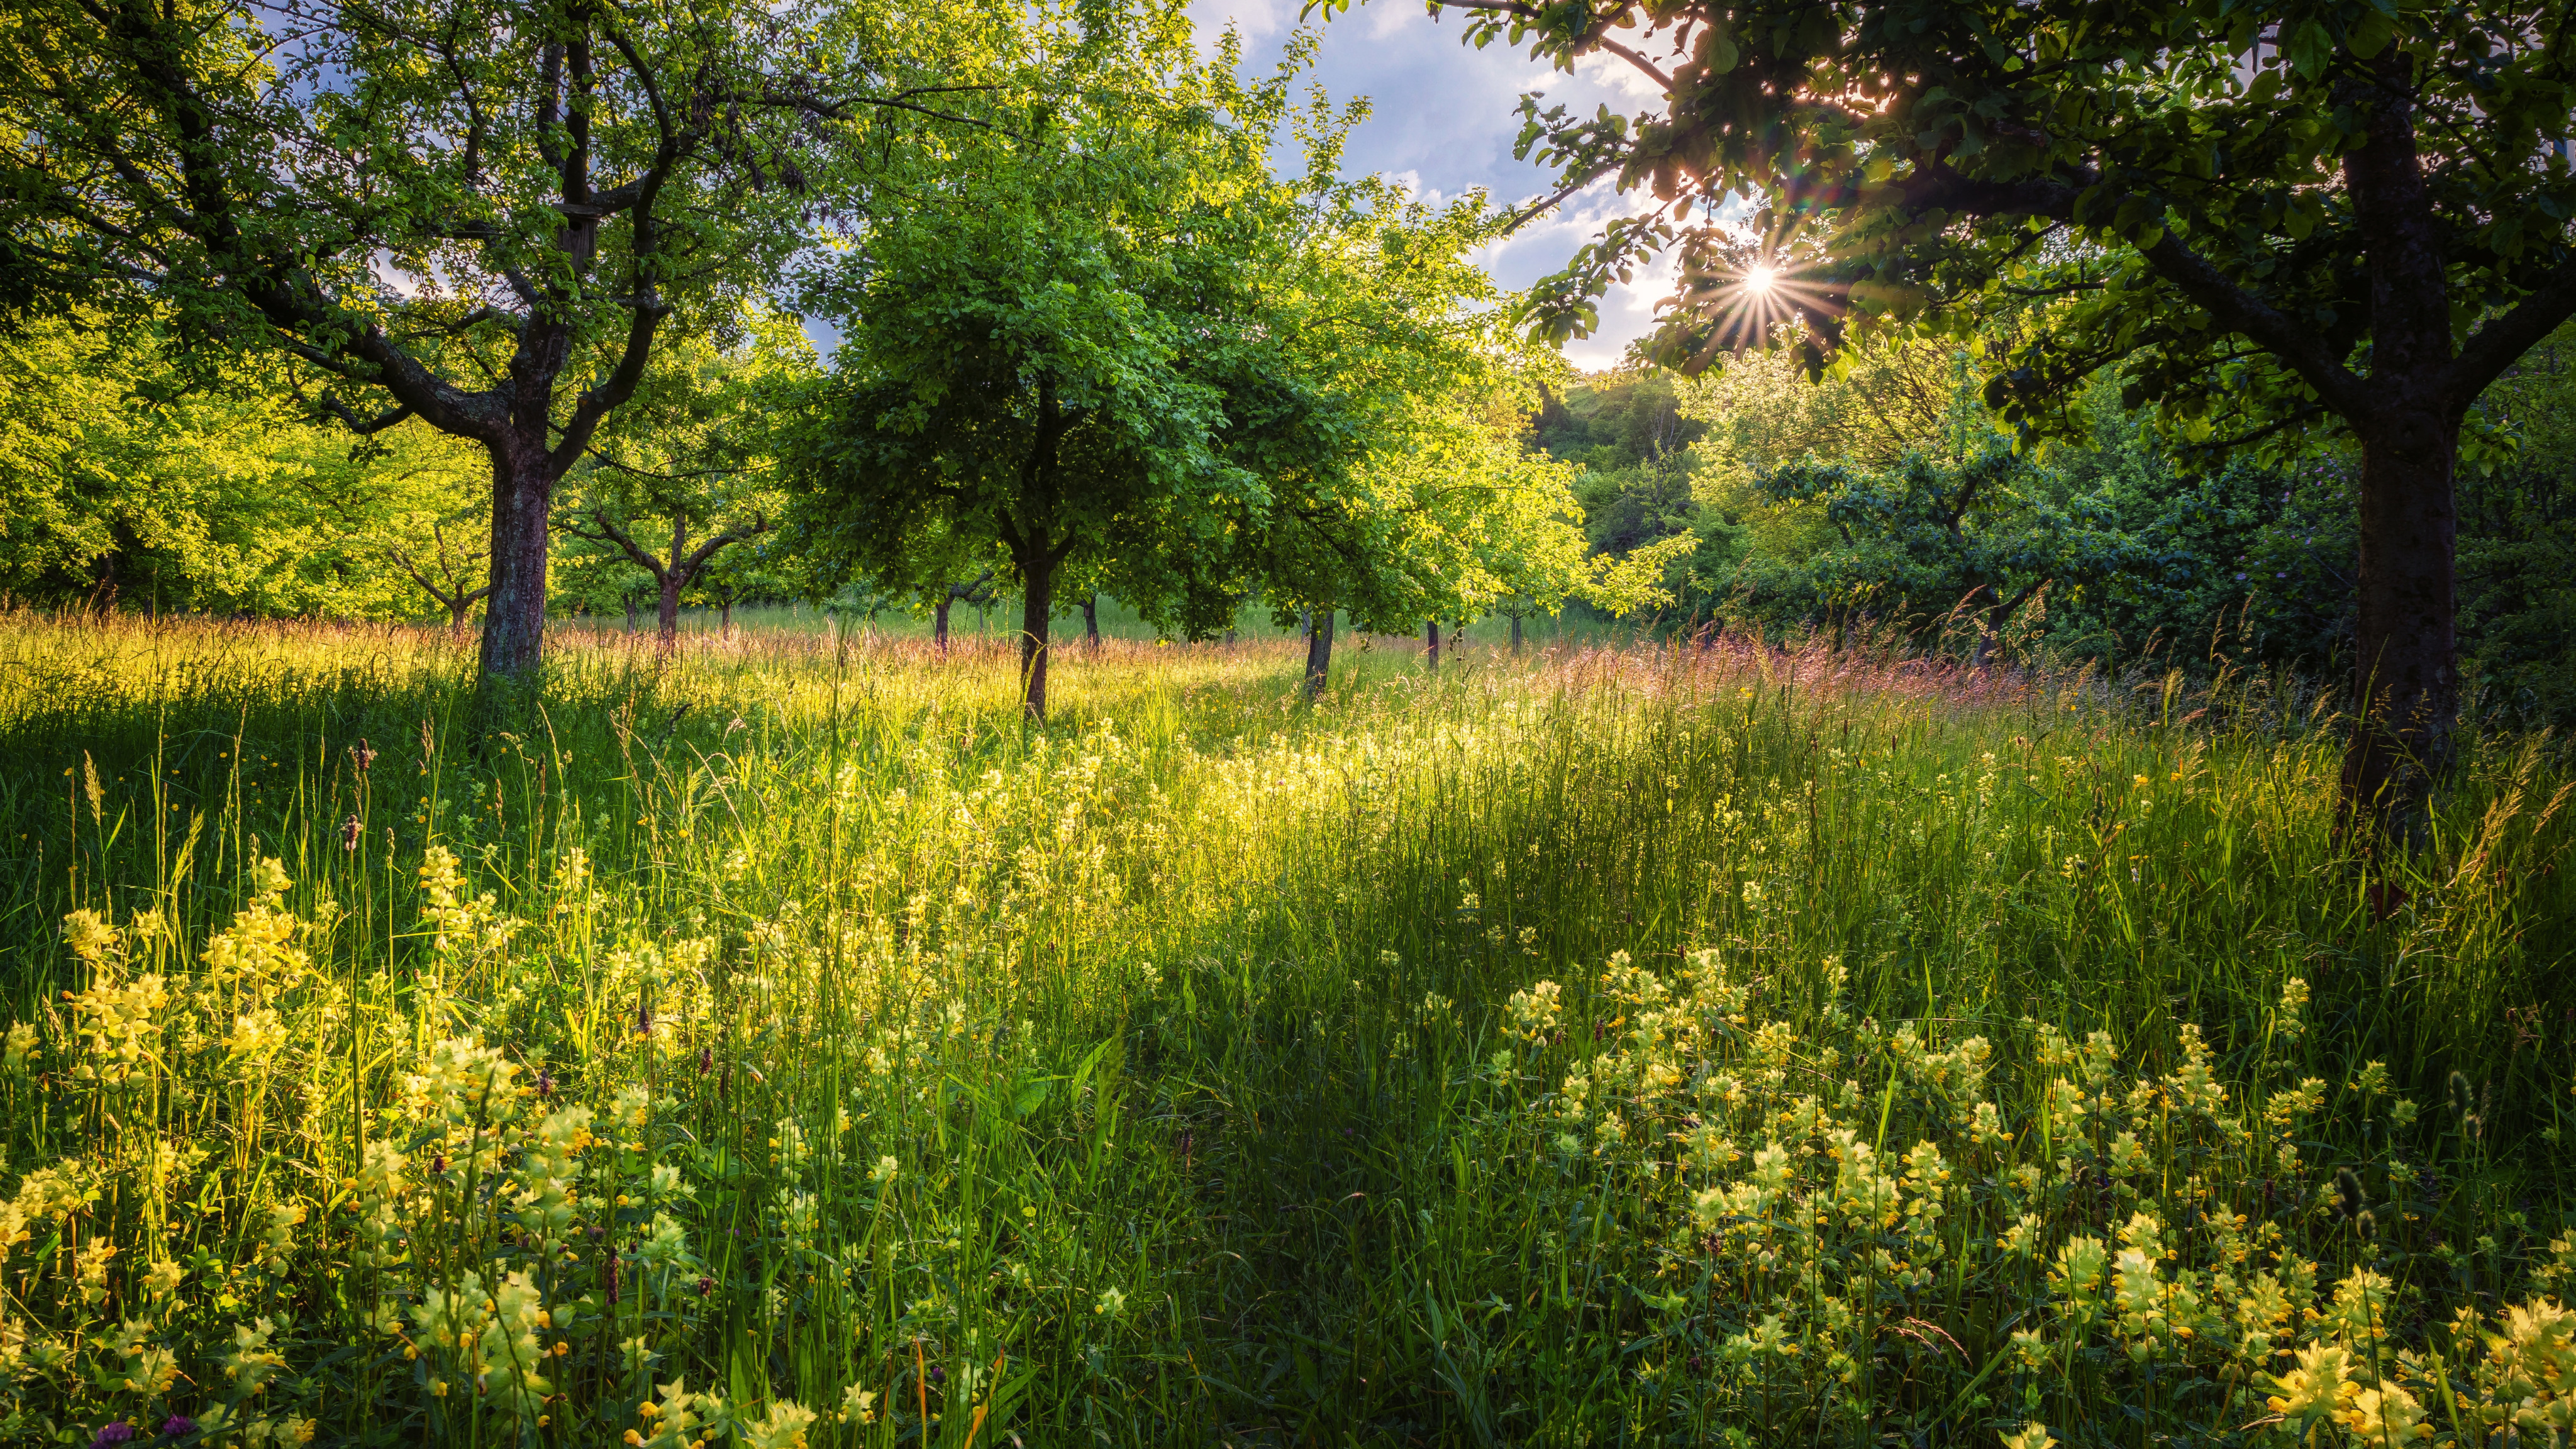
x=1443, y=119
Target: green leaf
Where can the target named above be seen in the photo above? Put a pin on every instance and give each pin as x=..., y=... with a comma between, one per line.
x=2309, y=49
x=2371, y=34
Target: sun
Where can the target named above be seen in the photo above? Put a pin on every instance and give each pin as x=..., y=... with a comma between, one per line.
x=1758, y=279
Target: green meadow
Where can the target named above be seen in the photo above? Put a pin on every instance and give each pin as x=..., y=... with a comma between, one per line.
x=1728, y=1044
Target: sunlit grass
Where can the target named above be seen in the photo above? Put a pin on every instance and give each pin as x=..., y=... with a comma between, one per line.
x=1590, y=1047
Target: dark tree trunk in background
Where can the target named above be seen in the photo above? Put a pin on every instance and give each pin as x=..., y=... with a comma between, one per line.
x=1431, y=643
x=1516, y=633
x=1319, y=655
x=629, y=601
x=1091, y=621
x=939, y=621
x=724, y=616
x=1037, y=607
x=666, y=616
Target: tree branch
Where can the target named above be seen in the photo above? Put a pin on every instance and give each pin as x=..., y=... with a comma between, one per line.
x=2494, y=347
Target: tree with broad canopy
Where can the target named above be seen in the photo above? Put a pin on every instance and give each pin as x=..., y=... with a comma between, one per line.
x=475, y=214
x=2275, y=222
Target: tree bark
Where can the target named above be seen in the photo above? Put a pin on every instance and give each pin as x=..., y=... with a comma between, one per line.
x=2406, y=688
x=667, y=614
x=1319, y=655
x=939, y=621
x=1516, y=633
x=1037, y=607
x=514, y=620
x=2405, y=671
x=1091, y=620
x=1431, y=643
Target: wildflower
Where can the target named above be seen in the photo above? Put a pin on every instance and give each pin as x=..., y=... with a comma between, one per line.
x=350, y=830
x=858, y=1405
x=782, y=1428
x=163, y=1278
x=2316, y=1388
x=883, y=1173
x=92, y=939
x=2294, y=1001
x=1112, y=1302
x=2386, y=1416
x=2033, y=1435
x=15, y=1048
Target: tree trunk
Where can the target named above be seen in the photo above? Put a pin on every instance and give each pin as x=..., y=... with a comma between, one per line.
x=724, y=616
x=456, y=613
x=1037, y=606
x=629, y=601
x=1319, y=655
x=2406, y=682
x=514, y=619
x=1431, y=642
x=1516, y=633
x=672, y=581
x=939, y=622
x=1091, y=621
x=1305, y=623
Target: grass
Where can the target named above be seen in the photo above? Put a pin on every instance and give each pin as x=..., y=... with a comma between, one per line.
x=1593, y=1047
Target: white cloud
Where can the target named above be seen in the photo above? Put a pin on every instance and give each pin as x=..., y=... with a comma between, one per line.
x=1444, y=117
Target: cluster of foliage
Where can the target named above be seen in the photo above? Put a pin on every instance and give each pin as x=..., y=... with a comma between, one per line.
x=1886, y=494
x=793, y=1045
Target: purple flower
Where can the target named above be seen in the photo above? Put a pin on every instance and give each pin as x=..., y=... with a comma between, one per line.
x=114, y=1431
x=179, y=1424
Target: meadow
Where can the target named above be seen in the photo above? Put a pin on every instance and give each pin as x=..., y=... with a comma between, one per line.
x=783, y=1043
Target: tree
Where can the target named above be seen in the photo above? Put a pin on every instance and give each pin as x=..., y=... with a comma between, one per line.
x=447, y=571
x=472, y=214
x=126, y=481
x=1054, y=355
x=691, y=450
x=2329, y=212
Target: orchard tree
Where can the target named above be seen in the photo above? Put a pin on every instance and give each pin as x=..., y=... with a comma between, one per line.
x=1052, y=355
x=476, y=214
x=690, y=452
x=2339, y=214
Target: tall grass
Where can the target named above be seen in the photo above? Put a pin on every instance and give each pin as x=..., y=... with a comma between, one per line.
x=1604, y=1047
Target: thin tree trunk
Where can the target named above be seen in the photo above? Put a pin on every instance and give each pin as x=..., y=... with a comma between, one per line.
x=629, y=601
x=1516, y=633
x=2405, y=672
x=514, y=620
x=724, y=616
x=456, y=613
x=672, y=581
x=1037, y=601
x=1091, y=620
x=939, y=624
x=1431, y=641
x=1305, y=623
x=1319, y=655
